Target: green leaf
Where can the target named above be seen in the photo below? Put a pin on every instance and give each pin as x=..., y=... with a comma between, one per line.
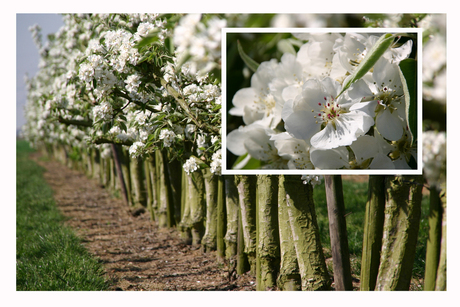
x=253, y=65
x=408, y=73
x=123, y=126
x=252, y=163
x=285, y=46
x=239, y=160
x=149, y=39
x=203, y=165
x=183, y=59
x=379, y=48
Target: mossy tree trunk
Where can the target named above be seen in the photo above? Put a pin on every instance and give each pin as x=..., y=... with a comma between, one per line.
x=242, y=264
x=433, y=245
x=166, y=199
x=149, y=186
x=185, y=224
x=162, y=190
x=289, y=275
x=221, y=219
x=152, y=204
x=125, y=172
x=247, y=188
x=441, y=278
x=114, y=180
x=174, y=171
x=403, y=197
x=231, y=236
x=268, y=253
x=139, y=193
x=121, y=165
x=373, y=232
x=209, y=241
x=305, y=234
x=197, y=199
x=338, y=232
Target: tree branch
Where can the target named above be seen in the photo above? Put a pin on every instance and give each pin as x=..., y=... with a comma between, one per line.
x=105, y=140
x=76, y=122
x=187, y=110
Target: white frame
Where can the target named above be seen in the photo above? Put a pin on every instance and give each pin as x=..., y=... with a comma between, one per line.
x=226, y=171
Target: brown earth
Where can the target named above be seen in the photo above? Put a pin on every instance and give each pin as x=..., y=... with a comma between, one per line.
x=136, y=254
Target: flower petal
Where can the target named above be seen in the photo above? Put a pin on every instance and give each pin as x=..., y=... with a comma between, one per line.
x=347, y=129
x=389, y=125
x=235, y=141
x=381, y=161
x=296, y=123
x=330, y=158
x=244, y=97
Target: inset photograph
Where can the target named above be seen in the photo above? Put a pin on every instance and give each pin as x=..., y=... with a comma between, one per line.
x=321, y=101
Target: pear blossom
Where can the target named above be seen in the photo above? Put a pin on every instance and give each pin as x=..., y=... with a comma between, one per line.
x=317, y=117
x=256, y=141
x=434, y=157
x=366, y=155
x=190, y=165
x=136, y=149
x=257, y=103
x=216, y=164
x=311, y=179
x=383, y=98
x=296, y=151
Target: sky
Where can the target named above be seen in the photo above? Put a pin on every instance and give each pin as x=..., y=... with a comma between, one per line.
x=27, y=56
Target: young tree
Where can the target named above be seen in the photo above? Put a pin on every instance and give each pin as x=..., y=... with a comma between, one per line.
x=373, y=232
x=403, y=197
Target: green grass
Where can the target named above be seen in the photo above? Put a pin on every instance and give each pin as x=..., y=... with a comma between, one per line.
x=355, y=197
x=49, y=256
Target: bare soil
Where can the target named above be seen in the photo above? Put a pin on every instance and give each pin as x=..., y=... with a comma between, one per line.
x=136, y=254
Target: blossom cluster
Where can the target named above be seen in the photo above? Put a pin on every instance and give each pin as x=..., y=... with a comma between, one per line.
x=296, y=115
x=146, y=81
x=434, y=157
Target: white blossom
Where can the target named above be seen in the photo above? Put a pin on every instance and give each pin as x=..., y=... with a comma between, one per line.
x=190, y=165
x=167, y=136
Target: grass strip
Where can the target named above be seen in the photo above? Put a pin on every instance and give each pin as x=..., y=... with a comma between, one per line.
x=49, y=256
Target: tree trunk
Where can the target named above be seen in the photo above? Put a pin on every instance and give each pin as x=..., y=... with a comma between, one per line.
x=247, y=187
x=209, y=241
x=433, y=245
x=118, y=161
x=338, y=232
x=124, y=161
x=197, y=199
x=185, y=224
x=174, y=171
x=150, y=186
x=268, y=254
x=441, y=278
x=373, y=232
x=221, y=219
x=242, y=265
x=231, y=201
x=152, y=205
x=403, y=197
x=289, y=276
x=163, y=192
x=137, y=183
x=305, y=234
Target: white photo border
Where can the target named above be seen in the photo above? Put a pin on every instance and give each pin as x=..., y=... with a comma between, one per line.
x=228, y=171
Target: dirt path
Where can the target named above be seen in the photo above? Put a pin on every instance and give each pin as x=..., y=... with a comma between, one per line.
x=136, y=254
